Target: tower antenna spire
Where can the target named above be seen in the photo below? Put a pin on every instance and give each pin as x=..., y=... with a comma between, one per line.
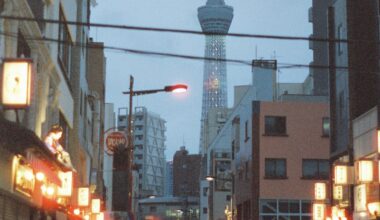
x=215, y=18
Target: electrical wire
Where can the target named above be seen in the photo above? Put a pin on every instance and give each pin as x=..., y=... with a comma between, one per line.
x=172, y=55
x=182, y=31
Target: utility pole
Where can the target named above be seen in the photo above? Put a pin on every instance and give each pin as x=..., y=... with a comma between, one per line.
x=130, y=151
x=128, y=159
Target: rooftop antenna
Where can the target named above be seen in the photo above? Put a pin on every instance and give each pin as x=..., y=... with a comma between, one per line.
x=256, y=51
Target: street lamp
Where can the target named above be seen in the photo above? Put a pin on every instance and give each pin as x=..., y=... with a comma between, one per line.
x=229, y=210
x=178, y=88
x=171, y=88
x=210, y=178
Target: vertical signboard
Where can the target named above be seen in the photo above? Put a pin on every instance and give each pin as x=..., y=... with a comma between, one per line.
x=360, y=198
x=320, y=191
x=66, y=183
x=319, y=211
x=83, y=196
x=16, y=83
x=223, y=175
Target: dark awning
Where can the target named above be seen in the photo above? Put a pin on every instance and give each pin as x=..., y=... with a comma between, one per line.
x=17, y=139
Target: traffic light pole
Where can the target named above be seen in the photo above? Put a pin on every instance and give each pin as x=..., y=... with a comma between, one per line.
x=130, y=151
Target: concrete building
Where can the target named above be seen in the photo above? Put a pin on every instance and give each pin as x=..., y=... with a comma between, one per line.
x=169, y=208
x=319, y=76
x=230, y=158
x=109, y=124
x=214, y=17
x=149, y=158
x=214, y=196
x=169, y=179
x=149, y=155
x=96, y=78
x=186, y=169
x=283, y=177
x=59, y=69
x=354, y=95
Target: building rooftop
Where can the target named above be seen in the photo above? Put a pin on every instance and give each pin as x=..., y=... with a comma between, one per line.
x=169, y=199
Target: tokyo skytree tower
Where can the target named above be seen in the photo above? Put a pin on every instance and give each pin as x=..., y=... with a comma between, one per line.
x=215, y=19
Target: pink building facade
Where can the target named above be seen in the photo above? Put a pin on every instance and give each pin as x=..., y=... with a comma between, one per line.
x=288, y=154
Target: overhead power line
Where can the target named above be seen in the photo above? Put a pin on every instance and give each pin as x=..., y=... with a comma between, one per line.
x=181, y=31
x=165, y=54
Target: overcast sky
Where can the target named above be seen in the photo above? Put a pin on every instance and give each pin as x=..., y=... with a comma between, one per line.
x=183, y=112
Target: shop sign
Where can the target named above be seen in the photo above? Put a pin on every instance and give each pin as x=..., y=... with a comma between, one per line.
x=319, y=211
x=95, y=206
x=24, y=178
x=83, y=196
x=320, y=191
x=338, y=192
x=114, y=141
x=365, y=171
x=100, y=216
x=360, y=198
x=16, y=83
x=66, y=183
x=341, y=174
x=223, y=180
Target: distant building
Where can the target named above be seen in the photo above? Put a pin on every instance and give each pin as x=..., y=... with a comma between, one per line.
x=186, y=170
x=168, y=208
x=169, y=179
x=213, y=123
x=319, y=77
x=149, y=147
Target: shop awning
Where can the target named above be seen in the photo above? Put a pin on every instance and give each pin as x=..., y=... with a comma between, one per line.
x=40, y=166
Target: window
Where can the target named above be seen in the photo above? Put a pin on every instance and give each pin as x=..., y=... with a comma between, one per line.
x=239, y=213
x=153, y=209
x=285, y=209
x=306, y=207
x=23, y=49
x=204, y=210
x=246, y=132
x=275, y=125
x=64, y=141
x=233, y=149
x=289, y=206
x=64, y=45
x=275, y=168
x=236, y=134
x=205, y=190
x=37, y=7
x=246, y=170
x=247, y=209
x=315, y=169
x=139, y=146
x=325, y=126
x=340, y=37
x=81, y=102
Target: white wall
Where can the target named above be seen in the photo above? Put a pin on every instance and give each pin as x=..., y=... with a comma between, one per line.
x=109, y=122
